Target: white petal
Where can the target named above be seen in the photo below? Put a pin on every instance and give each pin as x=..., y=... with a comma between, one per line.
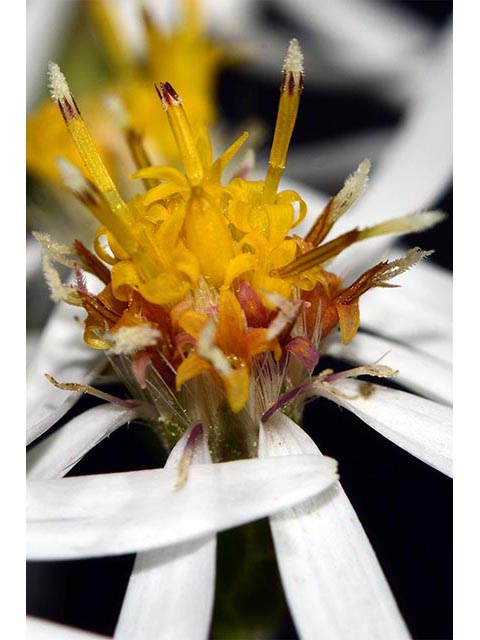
x=47, y=22
x=417, y=370
x=33, y=254
x=31, y=345
x=170, y=593
x=59, y=452
x=421, y=427
x=357, y=31
x=415, y=169
x=63, y=354
x=44, y=630
x=125, y=512
x=418, y=314
x=179, y=579
x=424, y=285
x=332, y=579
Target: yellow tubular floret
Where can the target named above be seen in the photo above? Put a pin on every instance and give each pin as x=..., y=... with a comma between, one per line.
x=182, y=132
x=208, y=237
x=117, y=216
x=290, y=92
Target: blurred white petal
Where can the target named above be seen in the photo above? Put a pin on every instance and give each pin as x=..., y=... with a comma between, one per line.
x=421, y=427
x=63, y=354
x=355, y=32
x=230, y=16
x=33, y=255
x=32, y=340
x=121, y=513
x=60, y=451
x=170, y=593
x=47, y=24
x=44, y=630
x=416, y=370
x=418, y=314
x=427, y=281
x=415, y=169
x=181, y=578
x=332, y=579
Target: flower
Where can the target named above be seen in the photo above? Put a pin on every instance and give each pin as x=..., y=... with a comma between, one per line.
x=129, y=97
x=223, y=348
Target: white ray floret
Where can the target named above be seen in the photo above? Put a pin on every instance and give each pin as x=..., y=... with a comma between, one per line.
x=45, y=630
x=421, y=427
x=63, y=354
x=332, y=579
x=74, y=517
x=417, y=371
x=172, y=577
x=54, y=456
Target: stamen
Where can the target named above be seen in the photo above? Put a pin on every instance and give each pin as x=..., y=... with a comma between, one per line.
x=60, y=91
x=207, y=350
x=318, y=256
x=91, y=263
x=412, y=223
x=116, y=217
x=290, y=92
x=86, y=388
x=287, y=315
x=186, y=459
x=129, y=340
x=324, y=382
x=338, y=205
x=283, y=400
x=293, y=63
x=61, y=253
x=377, y=370
x=61, y=94
x=95, y=306
x=399, y=266
x=182, y=132
x=380, y=274
x=405, y=224
x=59, y=291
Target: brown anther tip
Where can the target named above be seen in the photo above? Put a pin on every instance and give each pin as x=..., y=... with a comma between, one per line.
x=68, y=109
x=161, y=95
x=291, y=84
x=173, y=95
x=168, y=95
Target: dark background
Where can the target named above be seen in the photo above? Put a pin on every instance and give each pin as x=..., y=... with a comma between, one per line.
x=404, y=505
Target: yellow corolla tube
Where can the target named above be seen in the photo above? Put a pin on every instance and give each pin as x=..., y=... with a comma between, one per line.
x=117, y=216
x=290, y=92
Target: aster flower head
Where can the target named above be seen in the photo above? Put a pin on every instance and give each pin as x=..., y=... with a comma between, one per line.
x=214, y=311
x=213, y=308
